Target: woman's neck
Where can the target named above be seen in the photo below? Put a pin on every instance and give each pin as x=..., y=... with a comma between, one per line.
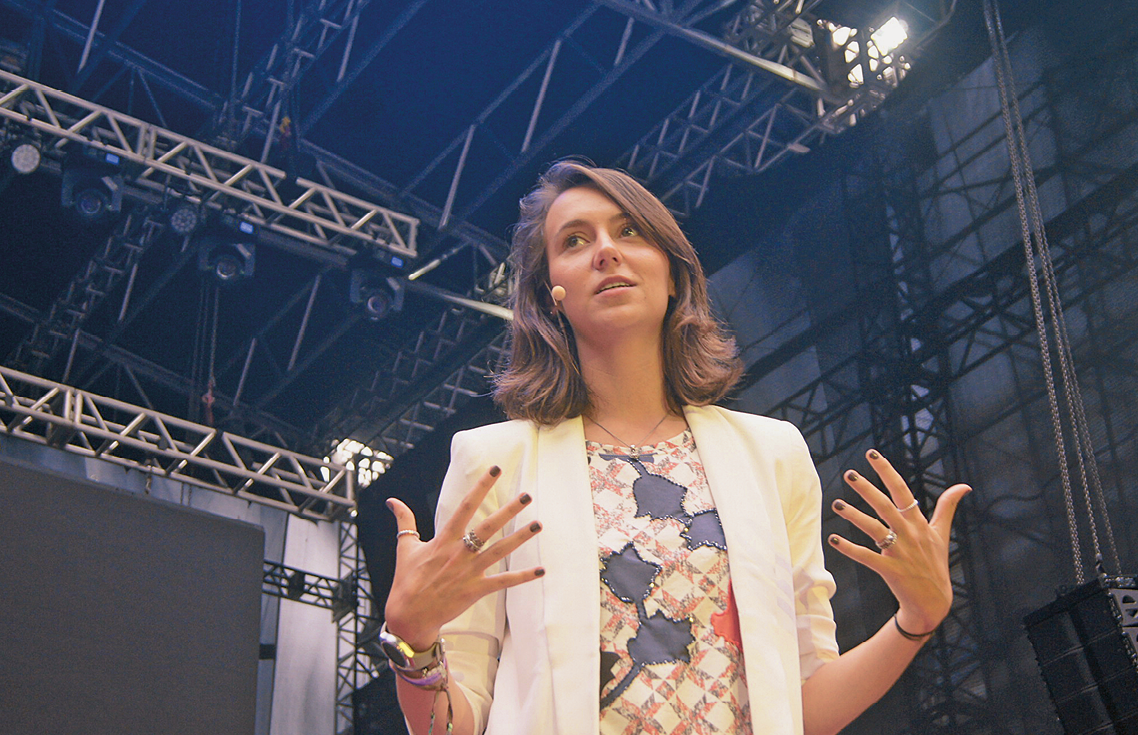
x=628, y=394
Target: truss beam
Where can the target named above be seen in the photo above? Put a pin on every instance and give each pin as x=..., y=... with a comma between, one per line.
x=341, y=596
x=89, y=425
x=117, y=259
x=209, y=176
x=315, y=30
x=744, y=122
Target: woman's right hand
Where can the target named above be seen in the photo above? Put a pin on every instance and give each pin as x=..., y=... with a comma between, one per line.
x=437, y=580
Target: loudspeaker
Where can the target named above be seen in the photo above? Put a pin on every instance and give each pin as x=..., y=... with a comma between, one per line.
x=1086, y=643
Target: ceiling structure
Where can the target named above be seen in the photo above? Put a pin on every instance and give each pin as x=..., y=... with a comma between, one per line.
x=371, y=150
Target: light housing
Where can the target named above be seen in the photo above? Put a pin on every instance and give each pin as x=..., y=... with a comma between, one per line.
x=24, y=156
x=229, y=254
x=92, y=184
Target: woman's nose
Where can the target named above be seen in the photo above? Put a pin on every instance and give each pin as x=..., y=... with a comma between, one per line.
x=607, y=252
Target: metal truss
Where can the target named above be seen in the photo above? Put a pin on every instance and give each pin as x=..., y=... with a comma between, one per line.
x=315, y=30
x=82, y=423
x=207, y=176
x=341, y=596
x=423, y=384
x=911, y=419
x=744, y=121
x=354, y=668
x=60, y=327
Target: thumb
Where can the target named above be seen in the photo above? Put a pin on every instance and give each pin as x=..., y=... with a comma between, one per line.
x=945, y=509
x=404, y=518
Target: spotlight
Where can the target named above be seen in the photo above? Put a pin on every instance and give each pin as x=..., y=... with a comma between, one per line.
x=228, y=255
x=25, y=156
x=92, y=184
x=184, y=219
x=375, y=294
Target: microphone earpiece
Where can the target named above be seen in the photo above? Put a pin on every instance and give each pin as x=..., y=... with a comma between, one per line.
x=558, y=294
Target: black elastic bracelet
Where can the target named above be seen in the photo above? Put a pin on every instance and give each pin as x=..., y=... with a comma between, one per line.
x=918, y=637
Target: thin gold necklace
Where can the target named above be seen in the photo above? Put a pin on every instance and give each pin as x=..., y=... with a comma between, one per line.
x=633, y=449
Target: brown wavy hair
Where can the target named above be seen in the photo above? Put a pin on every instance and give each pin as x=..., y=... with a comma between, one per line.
x=542, y=381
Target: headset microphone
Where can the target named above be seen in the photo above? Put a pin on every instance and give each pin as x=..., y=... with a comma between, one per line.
x=558, y=294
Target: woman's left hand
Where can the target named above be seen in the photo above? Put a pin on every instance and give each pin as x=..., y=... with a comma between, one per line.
x=914, y=561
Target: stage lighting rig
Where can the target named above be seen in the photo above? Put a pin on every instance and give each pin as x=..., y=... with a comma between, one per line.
x=92, y=184
x=228, y=251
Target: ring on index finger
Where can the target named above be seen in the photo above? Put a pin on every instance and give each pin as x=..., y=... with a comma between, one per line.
x=908, y=507
x=472, y=543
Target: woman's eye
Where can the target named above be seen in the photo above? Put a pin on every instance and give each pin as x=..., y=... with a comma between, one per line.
x=574, y=240
x=629, y=231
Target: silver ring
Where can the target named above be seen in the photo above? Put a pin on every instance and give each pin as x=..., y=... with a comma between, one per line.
x=472, y=542
x=909, y=507
x=889, y=540
x=407, y=532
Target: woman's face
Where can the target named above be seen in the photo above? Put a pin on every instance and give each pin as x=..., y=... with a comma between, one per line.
x=614, y=279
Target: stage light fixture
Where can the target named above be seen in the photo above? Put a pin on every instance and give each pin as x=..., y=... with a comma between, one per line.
x=92, y=184
x=25, y=156
x=374, y=293
x=184, y=219
x=890, y=35
x=228, y=253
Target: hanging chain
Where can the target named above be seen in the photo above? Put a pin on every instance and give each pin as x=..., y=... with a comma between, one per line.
x=1036, y=246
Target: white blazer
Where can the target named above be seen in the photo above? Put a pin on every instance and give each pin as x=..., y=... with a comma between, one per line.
x=528, y=659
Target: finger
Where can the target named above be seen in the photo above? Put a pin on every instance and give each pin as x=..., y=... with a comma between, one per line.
x=891, y=478
x=506, y=546
x=862, y=555
x=499, y=582
x=879, y=501
x=456, y=526
x=404, y=517
x=867, y=524
x=499, y=518
x=946, y=506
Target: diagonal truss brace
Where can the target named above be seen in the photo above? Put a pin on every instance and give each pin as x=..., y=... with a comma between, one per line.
x=117, y=258
x=209, y=176
x=83, y=423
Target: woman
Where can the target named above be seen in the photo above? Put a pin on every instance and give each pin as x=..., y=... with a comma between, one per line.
x=586, y=584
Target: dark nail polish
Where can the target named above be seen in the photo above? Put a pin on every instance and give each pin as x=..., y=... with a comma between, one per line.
x=834, y=540
x=851, y=476
x=389, y=504
x=873, y=454
x=495, y=471
x=839, y=505
x=525, y=499
x=534, y=527
x=539, y=573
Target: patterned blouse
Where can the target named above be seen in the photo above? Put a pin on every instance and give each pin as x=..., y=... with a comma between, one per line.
x=671, y=652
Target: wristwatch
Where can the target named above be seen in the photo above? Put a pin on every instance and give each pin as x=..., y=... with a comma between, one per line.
x=403, y=657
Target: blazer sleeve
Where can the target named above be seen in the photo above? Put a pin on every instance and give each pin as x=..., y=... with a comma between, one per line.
x=473, y=640
x=813, y=584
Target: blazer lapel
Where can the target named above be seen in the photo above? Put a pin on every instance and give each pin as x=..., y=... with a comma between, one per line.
x=571, y=585
x=742, y=485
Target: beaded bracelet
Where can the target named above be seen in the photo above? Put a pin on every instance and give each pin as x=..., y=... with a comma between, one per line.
x=918, y=637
